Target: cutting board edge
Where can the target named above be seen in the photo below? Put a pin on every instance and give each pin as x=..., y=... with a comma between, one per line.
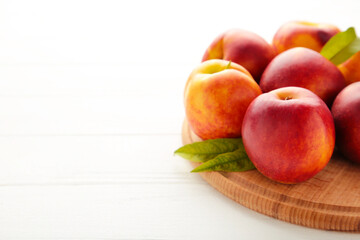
x=319, y=218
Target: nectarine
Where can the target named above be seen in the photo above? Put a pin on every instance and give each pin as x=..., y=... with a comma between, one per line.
x=351, y=69
x=243, y=47
x=303, y=67
x=346, y=112
x=217, y=95
x=289, y=134
x=303, y=34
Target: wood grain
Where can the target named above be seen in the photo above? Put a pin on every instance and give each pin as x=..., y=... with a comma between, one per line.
x=330, y=200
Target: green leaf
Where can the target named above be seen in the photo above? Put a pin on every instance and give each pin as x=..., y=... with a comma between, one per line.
x=236, y=161
x=347, y=52
x=341, y=46
x=338, y=42
x=209, y=149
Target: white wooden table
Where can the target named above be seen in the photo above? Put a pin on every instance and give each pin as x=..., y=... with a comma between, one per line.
x=91, y=112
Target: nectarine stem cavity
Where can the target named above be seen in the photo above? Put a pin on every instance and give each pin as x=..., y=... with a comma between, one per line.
x=288, y=98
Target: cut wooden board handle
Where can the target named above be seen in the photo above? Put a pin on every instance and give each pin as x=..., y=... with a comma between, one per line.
x=330, y=200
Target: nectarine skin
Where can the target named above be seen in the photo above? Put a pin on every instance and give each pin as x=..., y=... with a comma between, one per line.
x=303, y=67
x=346, y=112
x=303, y=34
x=351, y=69
x=289, y=134
x=216, y=98
x=242, y=47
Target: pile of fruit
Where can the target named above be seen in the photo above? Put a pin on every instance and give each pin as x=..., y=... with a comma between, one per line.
x=282, y=106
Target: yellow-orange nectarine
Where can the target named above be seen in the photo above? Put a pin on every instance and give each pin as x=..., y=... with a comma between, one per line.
x=217, y=95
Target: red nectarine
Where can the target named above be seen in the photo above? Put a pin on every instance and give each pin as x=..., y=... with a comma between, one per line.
x=289, y=134
x=303, y=67
x=346, y=112
x=243, y=47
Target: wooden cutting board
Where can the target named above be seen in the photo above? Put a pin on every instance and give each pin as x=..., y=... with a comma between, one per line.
x=330, y=200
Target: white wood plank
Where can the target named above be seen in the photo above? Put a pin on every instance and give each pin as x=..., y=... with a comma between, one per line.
x=91, y=99
x=138, y=211
x=124, y=187
x=62, y=160
x=69, y=115
x=130, y=79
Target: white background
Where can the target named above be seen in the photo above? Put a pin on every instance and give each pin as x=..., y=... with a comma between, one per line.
x=91, y=112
